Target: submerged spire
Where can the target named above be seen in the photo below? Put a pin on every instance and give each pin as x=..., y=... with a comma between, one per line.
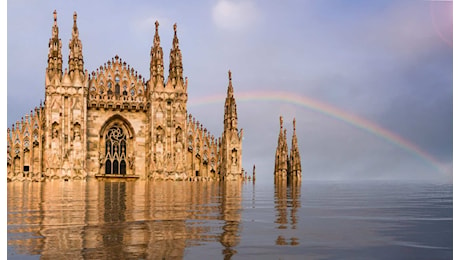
x=231, y=117
x=75, y=51
x=281, y=154
x=54, y=53
x=232, y=137
x=156, y=60
x=295, y=165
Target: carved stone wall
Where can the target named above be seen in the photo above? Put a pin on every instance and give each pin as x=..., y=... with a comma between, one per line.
x=134, y=125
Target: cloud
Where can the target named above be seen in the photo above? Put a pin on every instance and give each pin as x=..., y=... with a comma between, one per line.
x=235, y=15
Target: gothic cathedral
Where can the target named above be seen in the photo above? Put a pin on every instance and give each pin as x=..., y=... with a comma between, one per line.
x=114, y=123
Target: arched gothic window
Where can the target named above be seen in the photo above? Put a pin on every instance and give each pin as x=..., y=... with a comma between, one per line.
x=125, y=93
x=109, y=88
x=117, y=89
x=115, y=151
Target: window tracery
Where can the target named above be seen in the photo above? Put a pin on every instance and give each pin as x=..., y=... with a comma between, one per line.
x=115, y=151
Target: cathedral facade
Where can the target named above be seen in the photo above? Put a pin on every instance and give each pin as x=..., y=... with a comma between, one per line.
x=114, y=123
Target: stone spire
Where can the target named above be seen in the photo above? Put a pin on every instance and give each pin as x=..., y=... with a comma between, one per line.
x=232, y=138
x=156, y=60
x=295, y=168
x=281, y=155
x=75, y=52
x=175, y=63
x=54, y=54
x=230, y=116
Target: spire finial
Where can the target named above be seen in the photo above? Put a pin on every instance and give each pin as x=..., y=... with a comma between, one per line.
x=55, y=17
x=293, y=122
x=230, y=86
x=281, y=122
x=156, y=37
x=175, y=28
x=75, y=28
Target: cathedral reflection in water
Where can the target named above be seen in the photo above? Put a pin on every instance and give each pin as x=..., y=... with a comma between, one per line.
x=287, y=202
x=120, y=220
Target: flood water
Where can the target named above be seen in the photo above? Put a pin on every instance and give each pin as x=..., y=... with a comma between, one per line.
x=210, y=220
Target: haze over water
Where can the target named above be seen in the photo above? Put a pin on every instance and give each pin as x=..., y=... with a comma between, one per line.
x=198, y=220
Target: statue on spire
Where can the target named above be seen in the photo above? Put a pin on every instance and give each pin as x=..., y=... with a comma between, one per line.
x=230, y=86
x=156, y=38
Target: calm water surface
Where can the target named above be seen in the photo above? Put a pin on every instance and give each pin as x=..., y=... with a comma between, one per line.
x=207, y=220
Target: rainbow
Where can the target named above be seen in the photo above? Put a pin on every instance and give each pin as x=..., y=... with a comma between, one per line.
x=330, y=111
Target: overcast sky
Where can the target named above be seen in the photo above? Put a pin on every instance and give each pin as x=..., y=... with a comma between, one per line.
x=387, y=63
